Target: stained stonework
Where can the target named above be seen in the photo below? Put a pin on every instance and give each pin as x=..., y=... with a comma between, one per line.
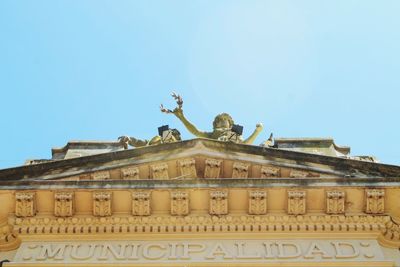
x=257, y=202
x=130, y=173
x=103, y=175
x=375, y=201
x=102, y=203
x=25, y=205
x=299, y=174
x=218, y=202
x=212, y=168
x=296, y=202
x=187, y=168
x=335, y=201
x=240, y=170
x=269, y=171
x=63, y=204
x=141, y=203
x=179, y=203
x=160, y=171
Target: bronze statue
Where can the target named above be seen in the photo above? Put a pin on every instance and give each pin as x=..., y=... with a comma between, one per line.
x=222, y=125
x=171, y=135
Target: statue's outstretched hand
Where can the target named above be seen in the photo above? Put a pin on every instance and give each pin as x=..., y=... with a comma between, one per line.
x=178, y=110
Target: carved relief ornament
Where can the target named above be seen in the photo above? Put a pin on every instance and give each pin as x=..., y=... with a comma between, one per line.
x=103, y=175
x=269, y=171
x=296, y=202
x=25, y=204
x=63, y=204
x=160, y=171
x=179, y=203
x=187, y=167
x=240, y=170
x=218, y=202
x=212, y=168
x=130, y=173
x=102, y=203
x=375, y=201
x=141, y=203
x=335, y=201
x=257, y=202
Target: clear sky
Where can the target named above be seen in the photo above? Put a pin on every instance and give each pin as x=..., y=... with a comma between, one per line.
x=95, y=70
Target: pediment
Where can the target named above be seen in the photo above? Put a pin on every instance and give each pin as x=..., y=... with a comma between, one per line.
x=200, y=158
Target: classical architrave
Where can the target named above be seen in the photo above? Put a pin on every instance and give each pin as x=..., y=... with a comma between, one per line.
x=187, y=168
x=296, y=202
x=257, y=202
x=212, y=168
x=102, y=203
x=218, y=202
x=160, y=171
x=25, y=204
x=335, y=201
x=240, y=170
x=375, y=201
x=130, y=173
x=269, y=172
x=180, y=203
x=63, y=204
x=103, y=175
x=141, y=205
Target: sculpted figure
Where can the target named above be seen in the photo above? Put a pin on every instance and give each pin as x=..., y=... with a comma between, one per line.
x=169, y=136
x=222, y=125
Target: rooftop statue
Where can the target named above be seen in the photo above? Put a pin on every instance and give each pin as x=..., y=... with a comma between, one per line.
x=165, y=135
x=224, y=128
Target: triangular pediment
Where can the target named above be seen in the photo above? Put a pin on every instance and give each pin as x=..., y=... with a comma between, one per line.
x=200, y=158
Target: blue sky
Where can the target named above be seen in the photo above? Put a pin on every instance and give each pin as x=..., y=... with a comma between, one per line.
x=94, y=70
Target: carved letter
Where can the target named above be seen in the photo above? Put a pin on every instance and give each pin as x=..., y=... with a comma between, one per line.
x=110, y=248
x=283, y=252
x=153, y=256
x=189, y=248
x=47, y=252
x=340, y=253
x=241, y=253
x=219, y=249
x=88, y=255
x=316, y=249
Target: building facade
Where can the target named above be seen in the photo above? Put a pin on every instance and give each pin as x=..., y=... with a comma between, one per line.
x=201, y=202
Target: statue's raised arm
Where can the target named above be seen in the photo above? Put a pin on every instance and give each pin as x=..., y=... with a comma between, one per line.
x=178, y=112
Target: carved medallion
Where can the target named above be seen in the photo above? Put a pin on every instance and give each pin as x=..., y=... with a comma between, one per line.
x=296, y=202
x=240, y=170
x=25, y=204
x=375, y=201
x=63, y=204
x=335, y=201
x=187, y=168
x=218, y=202
x=102, y=203
x=130, y=173
x=257, y=202
x=141, y=203
x=269, y=171
x=179, y=203
x=212, y=168
x=160, y=171
x=104, y=175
